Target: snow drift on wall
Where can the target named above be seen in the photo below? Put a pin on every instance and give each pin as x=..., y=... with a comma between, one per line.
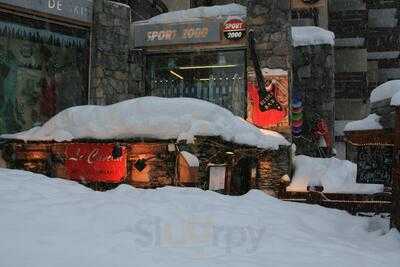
x=193, y=14
x=369, y=123
x=311, y=35
x=335, y=175
x=385, y=91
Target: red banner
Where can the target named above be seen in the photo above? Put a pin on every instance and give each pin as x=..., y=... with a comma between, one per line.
x=95, y=163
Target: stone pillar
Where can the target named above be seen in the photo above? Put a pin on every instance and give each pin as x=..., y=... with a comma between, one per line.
x=314, y=86
x=110, y=51
x=270, y=20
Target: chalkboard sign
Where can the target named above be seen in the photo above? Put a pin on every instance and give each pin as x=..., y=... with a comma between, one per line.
x=374, y=164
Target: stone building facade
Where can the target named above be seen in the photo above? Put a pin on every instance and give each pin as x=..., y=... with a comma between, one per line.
x=366, y=49
x=113, y=81
x=349, y=21
x=314, y=86
x=110, y=51
x=73, y=53
x=117, y=69
x=270, y=21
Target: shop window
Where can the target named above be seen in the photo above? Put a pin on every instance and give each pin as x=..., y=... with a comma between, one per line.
x=43, y=70
x=217, y=77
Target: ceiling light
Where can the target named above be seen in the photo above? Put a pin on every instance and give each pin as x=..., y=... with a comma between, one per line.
x=176, y=74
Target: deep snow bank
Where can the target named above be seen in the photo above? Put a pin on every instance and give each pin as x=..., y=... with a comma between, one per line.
x=335, y=175
x=152, y=117
x=53, y=222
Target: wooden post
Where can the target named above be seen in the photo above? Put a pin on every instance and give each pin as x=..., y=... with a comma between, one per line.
x=228, y=173
x=395, y=218
x=228, y=179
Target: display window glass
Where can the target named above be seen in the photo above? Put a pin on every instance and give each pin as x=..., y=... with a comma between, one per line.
x=43, y=70
x=218, y=77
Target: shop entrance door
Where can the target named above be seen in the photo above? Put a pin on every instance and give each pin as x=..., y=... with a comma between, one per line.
x=217, y=77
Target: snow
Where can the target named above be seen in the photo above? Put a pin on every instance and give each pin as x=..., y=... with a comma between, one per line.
x=151, y=117
x=395, y=100
x=383, y=55
x=194, y=14
x=52, y=222
x=119, y=4
x=191, y=159
x=369, y=123
x=311, y=35
x=335, y=175
x=339, y=127
x=385, y=91
x=274, y=72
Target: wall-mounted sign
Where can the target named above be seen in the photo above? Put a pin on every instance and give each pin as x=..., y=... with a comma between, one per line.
x=182, y=33
x=234, y=29
x=94, y=163
x=80, y=10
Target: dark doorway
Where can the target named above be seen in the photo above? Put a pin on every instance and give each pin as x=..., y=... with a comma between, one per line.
x=242, y=175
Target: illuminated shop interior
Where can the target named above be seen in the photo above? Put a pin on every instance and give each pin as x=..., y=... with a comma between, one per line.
x=213, y=76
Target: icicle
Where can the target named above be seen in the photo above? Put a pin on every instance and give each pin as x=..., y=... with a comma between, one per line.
x=47, y=36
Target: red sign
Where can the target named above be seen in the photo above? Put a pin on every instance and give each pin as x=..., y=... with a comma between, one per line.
x=234, y=29
x=262, y=119
x=95, y=163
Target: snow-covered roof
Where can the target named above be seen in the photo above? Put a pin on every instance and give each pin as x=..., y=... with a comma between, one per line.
x=335, y=175
x=369, y=123
x=311, y=35
x=339, y=127
x=193, y=14
x=191, y=159
x=385, y=91
x=151, y=117
x=395, y=100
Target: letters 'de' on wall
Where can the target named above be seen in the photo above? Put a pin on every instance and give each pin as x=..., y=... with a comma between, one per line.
x=80, y=10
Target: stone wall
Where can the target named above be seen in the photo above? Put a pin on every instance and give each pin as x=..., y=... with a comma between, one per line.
x=271, y=165
x=137, y=82
x=110, y=51
x=270, y=20
x=314, y=85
